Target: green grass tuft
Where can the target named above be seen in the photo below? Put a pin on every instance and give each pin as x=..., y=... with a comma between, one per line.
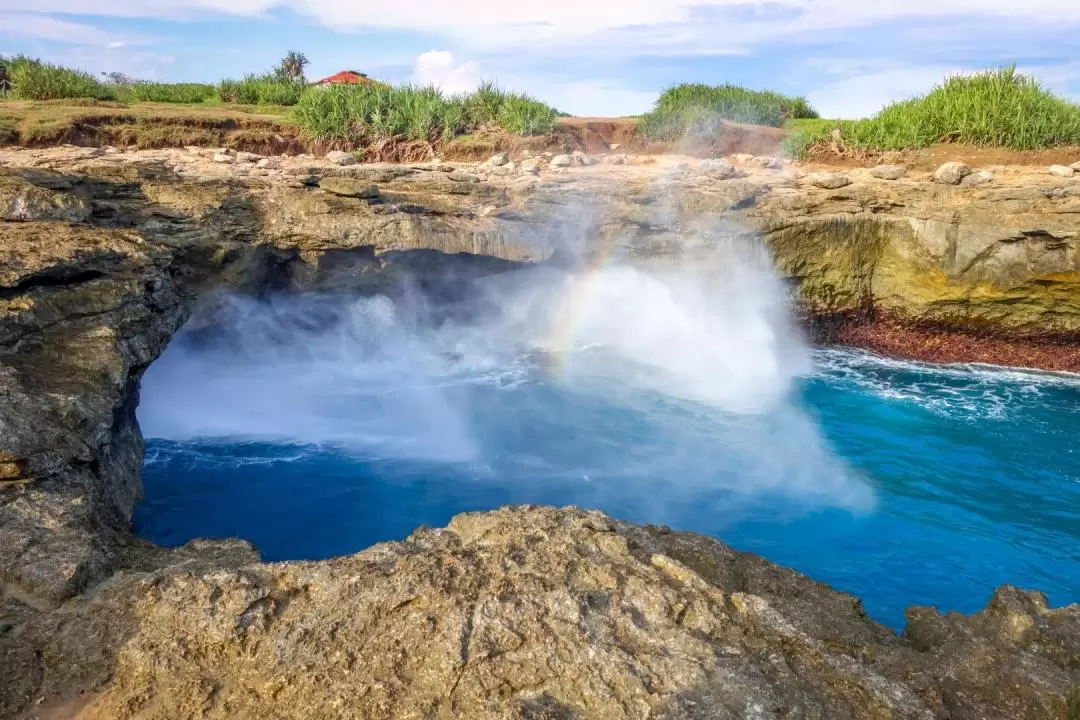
x=363, y=114
x=997, y=108
x=188, y=93
x=266, y=89
x=32, y=79
x=697, y=110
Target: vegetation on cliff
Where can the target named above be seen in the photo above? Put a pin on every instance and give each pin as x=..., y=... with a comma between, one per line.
x=368, y=113
x=697, y=109
x=996, y=108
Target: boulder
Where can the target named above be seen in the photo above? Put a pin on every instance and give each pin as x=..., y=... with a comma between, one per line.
x=464, y=177
x=976, y=178
x=563, y=161
x=829, y=180
x=720, y=169
x=1062, y=171
x=504, y=170
x=1075, y=166
x=247, y=157
x=615, y=159
x=268, y=163
x=349, y=187
x=888, y=172
x=951, y=173
x=23, y=201
x=221, y=157
x=530, y=167
x=499, y=159
x=338, y=157
x=770, y=163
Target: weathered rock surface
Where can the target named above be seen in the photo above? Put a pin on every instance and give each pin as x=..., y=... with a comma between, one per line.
x=829, y=180
x=1062, y=171
x=119, y=249
x=888, y=172
x=348, y=187
x=951, y=173
x=339, y=157
x=526, y=613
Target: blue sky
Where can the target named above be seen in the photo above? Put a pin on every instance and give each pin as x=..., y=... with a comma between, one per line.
x=589, y=58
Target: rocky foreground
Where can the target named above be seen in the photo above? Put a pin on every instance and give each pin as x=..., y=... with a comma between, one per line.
x=529, y=613
x=523, y=613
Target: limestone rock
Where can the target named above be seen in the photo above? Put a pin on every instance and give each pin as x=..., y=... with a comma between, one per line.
x=339, y=157
x=530, y=167
x=464, y=177
x=247, y=157
x=562, y=161
x=224, y=158
x=829, y=180
x=951, y=173
x=720, y=169
x=1062, y=171
x=499, y=159
x=349, y=187
x=531, y=613
x=615, y=159
x=1075, y=166
x=504, y=170
x=21, y=200
x=268, y=163
x=888, y=172
x=980, y=177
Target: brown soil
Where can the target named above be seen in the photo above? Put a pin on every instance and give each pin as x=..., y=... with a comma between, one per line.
x=931, y=158
x=900, y=340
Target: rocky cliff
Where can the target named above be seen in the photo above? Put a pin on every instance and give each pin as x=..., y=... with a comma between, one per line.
x=104, y=257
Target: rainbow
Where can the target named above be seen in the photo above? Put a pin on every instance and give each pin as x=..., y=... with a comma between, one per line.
x=564, y=333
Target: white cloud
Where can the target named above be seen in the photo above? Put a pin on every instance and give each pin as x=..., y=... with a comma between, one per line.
x=646, y=26
x=863, y=94
x=116, y=45
x=438, y=68
x=43, y=27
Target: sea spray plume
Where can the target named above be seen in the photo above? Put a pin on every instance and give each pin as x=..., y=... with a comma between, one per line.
x=308, y=369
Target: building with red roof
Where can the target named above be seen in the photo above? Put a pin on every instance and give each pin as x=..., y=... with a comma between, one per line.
x=345, y=77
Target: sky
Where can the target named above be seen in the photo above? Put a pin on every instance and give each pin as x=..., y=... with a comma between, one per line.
x=849, y=57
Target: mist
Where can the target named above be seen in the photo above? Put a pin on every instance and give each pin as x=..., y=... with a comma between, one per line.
x=644, y=388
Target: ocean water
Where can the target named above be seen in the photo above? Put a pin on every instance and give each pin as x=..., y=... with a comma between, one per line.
x=318, y=426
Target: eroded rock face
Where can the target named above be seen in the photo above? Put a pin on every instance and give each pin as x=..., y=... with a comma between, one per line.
x=537, y=612
x=120, y=249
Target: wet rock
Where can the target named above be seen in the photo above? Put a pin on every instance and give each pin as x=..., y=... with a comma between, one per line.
x=339, y=157
x=951, y=173
x=23, y=201
x=349, y=187
x=981, y=177
x=829, y=180
x=1062, y=171
x=888, y=172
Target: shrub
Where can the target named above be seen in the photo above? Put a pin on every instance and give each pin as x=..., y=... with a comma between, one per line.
x=699, y=110
x=364, y=114
x=169, y=92
x=34, y=80
x=268, y=89
x=994, y=108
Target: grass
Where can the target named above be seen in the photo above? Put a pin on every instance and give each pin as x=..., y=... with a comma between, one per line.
x=266, y=89
x=697, y=110
x=35, y=80
x=999, y=108
x=365, y=114
x=181, y=93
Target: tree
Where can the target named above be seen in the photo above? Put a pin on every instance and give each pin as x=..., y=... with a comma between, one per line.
x=292, y=66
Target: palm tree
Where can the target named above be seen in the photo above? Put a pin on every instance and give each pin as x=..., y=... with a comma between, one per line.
x=292, y=66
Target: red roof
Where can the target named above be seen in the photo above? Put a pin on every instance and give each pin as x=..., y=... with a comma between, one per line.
x=345, y=77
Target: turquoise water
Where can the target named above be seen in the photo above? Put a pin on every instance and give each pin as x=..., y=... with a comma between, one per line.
x=313, y=435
